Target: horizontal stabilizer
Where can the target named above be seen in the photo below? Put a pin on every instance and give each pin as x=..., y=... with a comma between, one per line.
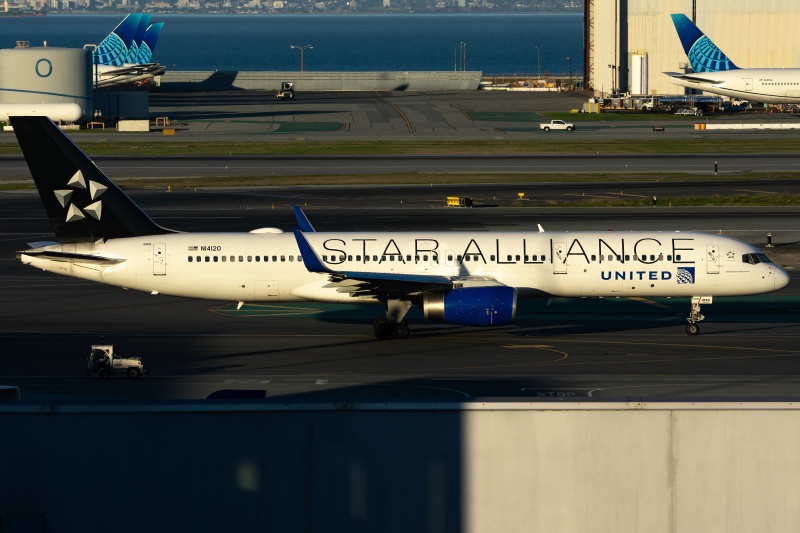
x=693, y=78
x=68, y=257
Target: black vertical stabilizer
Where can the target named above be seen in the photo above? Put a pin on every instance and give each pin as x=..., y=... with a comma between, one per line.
x=83, y=204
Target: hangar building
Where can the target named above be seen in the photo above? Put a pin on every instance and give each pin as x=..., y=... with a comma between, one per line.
x=631, y=43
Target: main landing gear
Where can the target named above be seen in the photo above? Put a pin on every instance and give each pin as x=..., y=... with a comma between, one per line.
x=693, y=328
x=393, y=326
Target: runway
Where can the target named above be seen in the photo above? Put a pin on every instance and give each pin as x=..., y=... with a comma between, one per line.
x=748, y=347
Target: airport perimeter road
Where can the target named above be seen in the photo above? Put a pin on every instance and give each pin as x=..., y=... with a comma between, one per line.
x=120, y=167
x=559, y=348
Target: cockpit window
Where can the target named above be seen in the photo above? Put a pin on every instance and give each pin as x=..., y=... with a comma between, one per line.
x=754, y=259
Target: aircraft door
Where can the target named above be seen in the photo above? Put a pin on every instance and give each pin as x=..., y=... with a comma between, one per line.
x=559, y=258
x=712, y=259
x=748, y=85
x=159, y=259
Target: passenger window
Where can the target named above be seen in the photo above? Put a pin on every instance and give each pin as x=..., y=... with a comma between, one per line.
x=208, y=259
x=291, y=259
x=425, y=257
x=258, y=259
x=190, y=258
x=349, y=257
x=283, y=258
x=249, y=258
x=241, y=259
x=216, y=259
x=517, y=258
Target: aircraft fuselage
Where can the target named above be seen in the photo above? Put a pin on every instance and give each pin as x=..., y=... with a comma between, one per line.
x=268, y=267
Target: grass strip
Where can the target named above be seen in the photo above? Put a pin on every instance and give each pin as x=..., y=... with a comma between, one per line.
x=710, y=144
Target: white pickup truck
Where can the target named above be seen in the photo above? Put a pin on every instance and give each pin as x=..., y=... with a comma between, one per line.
x=556, y=125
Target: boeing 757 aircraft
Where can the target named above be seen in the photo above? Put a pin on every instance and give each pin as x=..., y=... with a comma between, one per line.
x=715, y=73
x=466, y=278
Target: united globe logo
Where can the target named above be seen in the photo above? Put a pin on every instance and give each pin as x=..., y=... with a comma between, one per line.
x=685, y=275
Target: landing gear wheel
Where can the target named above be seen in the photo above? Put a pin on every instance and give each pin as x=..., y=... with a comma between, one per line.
x=104, y=373
x=133, y=373
x=692, y=329
x=381, y=329
x=400, y=330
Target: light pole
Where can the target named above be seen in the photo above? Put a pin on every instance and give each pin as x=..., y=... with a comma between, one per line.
x=569, y=58
x=301, y=48
x=613, y=78
x=538, y=63
x=460, y=51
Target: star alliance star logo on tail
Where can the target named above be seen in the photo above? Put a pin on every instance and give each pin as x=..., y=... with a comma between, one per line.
x=685, y=275
x=78, y=182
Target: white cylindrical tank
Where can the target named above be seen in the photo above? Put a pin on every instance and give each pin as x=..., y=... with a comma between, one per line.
x=47, y=76
x=638, y=83
x=56, y=112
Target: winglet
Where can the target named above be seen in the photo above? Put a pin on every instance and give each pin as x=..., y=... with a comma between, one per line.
x=302, y=220
x=310, y=258
x=703, y=54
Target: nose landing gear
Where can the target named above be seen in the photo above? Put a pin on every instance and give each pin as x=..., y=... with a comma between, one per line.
x=693, y=328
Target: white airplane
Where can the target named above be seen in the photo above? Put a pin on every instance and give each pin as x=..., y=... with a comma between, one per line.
x=715, y=73
x=463, y=278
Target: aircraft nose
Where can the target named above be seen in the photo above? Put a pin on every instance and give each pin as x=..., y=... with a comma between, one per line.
x=781, y=278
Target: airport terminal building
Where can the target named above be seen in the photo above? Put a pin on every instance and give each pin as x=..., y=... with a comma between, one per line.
x=629, y=44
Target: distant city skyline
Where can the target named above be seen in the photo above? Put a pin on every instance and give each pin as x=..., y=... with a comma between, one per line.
x=292, y=6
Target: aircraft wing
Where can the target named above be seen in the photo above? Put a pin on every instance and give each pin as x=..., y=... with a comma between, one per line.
x=362, y=283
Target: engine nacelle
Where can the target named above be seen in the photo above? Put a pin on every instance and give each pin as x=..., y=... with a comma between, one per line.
x=472, y=306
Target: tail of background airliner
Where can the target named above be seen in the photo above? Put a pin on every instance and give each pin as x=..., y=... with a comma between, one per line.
x=132, y=42
x=82, y=203
x=704, y=55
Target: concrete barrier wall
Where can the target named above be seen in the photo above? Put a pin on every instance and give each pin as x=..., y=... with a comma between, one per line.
x=565, y=467
x=321, y=81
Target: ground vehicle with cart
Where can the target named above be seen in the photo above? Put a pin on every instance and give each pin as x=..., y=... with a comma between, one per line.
x=104, y=363
x=286, y=92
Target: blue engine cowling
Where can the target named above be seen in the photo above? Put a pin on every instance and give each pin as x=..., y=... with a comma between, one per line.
x=472, y=306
